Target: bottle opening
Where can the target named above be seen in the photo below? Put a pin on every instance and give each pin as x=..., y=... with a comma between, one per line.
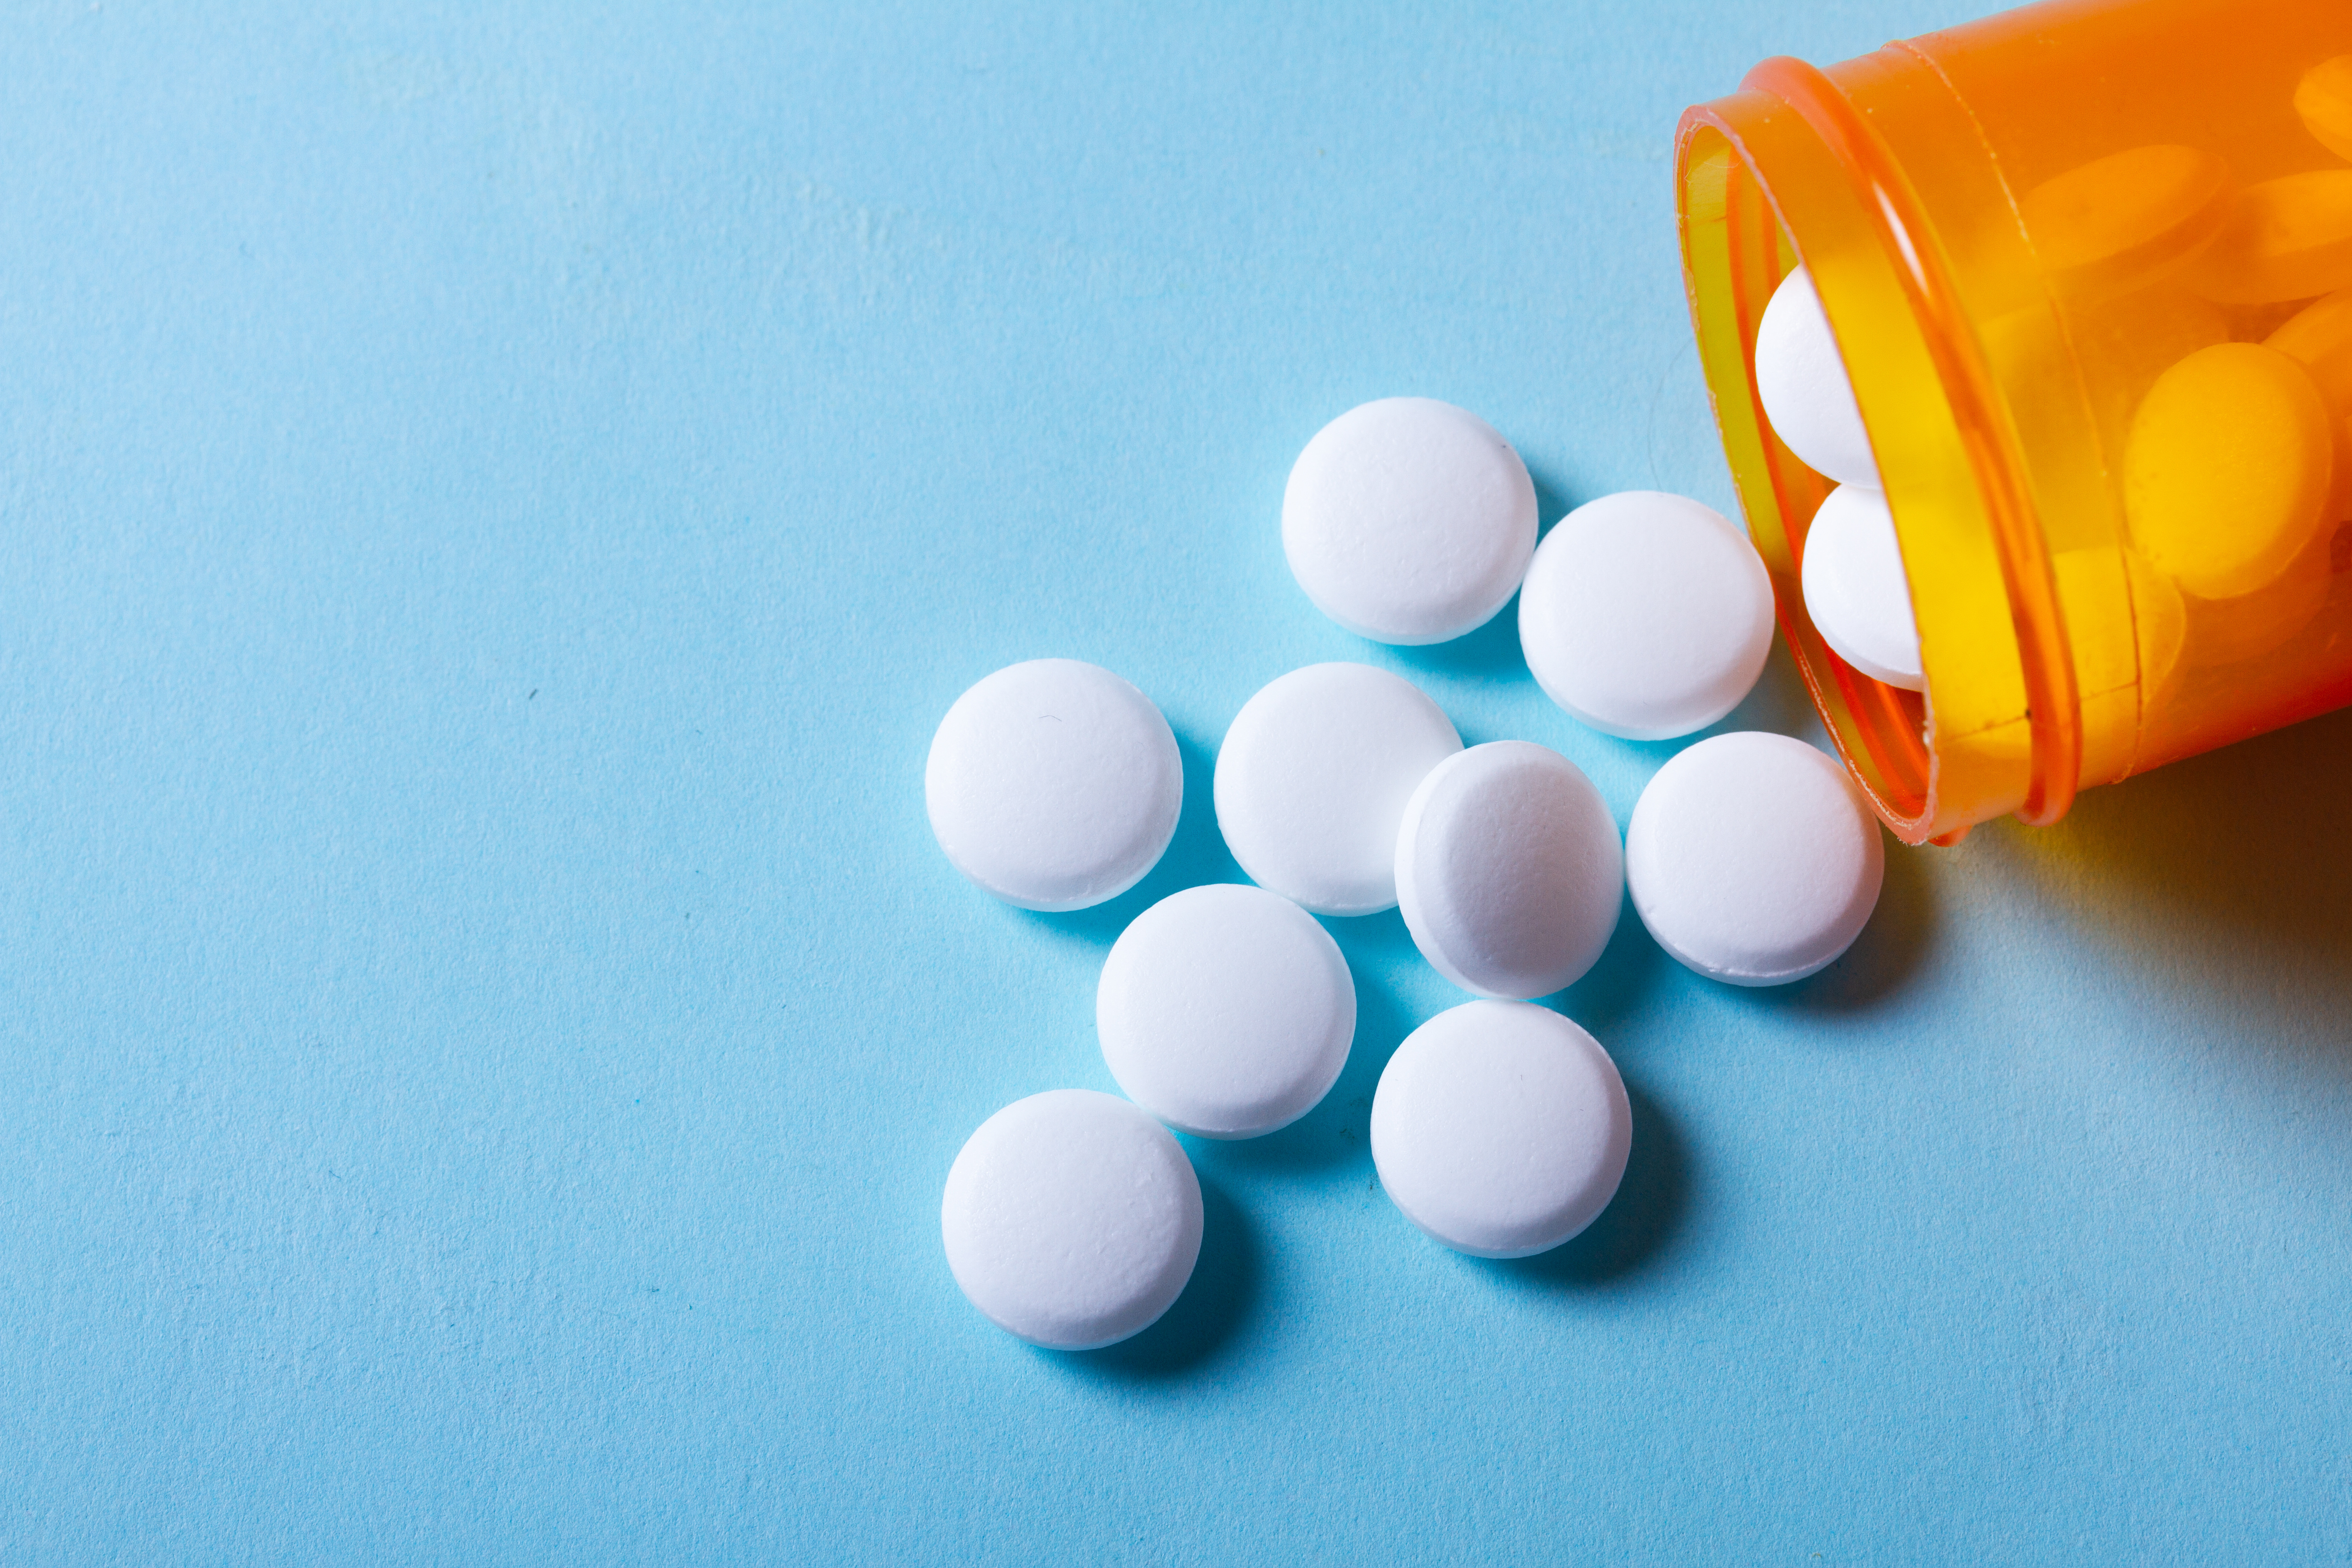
x=2087, y=267
x=1790, y=155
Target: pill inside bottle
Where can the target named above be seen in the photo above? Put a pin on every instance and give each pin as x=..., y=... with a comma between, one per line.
x=2123, y=221
x=1855, y=588
x=1801, y=379
x=2287, y=239
x=2081, y=294
x=2240, y=432
x=2324, y=101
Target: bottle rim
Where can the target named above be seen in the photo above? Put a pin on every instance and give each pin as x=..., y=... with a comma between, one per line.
x=1894, y=217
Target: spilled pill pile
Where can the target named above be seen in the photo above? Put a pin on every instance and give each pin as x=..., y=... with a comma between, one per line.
x=1499, y=1128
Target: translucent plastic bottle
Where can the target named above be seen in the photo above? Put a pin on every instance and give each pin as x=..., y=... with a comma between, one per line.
x=2033, y=236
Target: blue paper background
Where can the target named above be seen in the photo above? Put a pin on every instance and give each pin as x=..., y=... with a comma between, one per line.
x=494, y=502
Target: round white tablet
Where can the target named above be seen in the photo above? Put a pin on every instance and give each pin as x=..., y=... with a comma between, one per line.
x=1312, y=780
x=1800, y=376
x=1072, y=1219
x=1753, y=860
x=1501, y=1128
x=1409, y=520
x=1508, y=869
x=1855, y=591
x=1646, y=615
x=1054, y=785
x=1226, y=1011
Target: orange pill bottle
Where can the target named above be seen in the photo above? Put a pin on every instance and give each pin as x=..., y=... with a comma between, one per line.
x=2089, y=266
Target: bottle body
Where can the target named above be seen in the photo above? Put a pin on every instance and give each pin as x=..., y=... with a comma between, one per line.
x=2082, y=262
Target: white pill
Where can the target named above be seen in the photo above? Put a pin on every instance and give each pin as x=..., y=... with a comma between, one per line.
x=1226, y=1011
x=1802, y=378
x=1054, y=785
x=1753, y=860
x=1508, y=869
x=1313, y=777
x=1646, y=615
x=1409, y=520
x=1501, y=1128
x=1072, y=1219
x=1855, y=591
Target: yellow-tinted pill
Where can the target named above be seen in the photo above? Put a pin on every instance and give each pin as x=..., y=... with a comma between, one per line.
x=2227, y=468
x=2339, y=508
x=2287, y=239
x=2319, y=337
x=2323, y=99
x=2230, y=631
x=2126, y=219
x=2136, y=648
x=2159, y=622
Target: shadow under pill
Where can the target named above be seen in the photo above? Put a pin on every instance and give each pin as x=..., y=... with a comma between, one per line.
x=1337, y=1133
x=1491, y=653
x=1618, y=981
x=1488, y=656
x=1554, y=498
x=1195, y=855
x=1778, y=702
x=1225, y=1284
x=1637, y=1225
x=1890, y=948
